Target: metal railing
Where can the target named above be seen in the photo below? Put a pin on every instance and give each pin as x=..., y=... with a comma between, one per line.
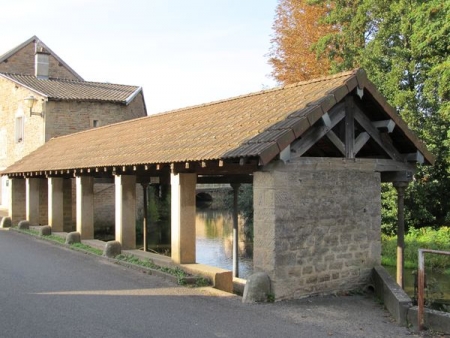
x=421, y=284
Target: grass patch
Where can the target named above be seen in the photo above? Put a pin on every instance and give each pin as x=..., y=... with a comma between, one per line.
x=87, y=248
x=415, y=239
x=54, y=238
x=33, y=232
x=148, y=263
x=28, y=231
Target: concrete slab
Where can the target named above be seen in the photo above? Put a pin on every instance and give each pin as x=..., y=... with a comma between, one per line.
x=394, y=298
x=222, y=279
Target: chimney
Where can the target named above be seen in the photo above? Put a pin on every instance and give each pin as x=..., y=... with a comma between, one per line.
x=41, y=63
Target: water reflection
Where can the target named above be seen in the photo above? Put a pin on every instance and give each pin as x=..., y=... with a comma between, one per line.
x=214, y=233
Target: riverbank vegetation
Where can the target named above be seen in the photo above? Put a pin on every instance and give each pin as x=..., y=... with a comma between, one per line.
x=415, y=239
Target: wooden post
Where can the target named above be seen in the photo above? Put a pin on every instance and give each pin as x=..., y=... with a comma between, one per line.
x=235, y=187
x=145, y=220
x=400, y=186
x=349, y=128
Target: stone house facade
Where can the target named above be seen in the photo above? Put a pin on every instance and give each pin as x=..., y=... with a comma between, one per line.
x=61, y=103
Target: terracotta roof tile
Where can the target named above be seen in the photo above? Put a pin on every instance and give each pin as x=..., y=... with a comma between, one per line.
x=59, y=89
x=255, y=125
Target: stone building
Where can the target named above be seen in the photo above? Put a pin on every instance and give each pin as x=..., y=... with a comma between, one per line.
x=316, y=153
x=41, y=97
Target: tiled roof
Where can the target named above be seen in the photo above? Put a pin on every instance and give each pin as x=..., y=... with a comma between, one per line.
x=255, y=125
x=58, y=89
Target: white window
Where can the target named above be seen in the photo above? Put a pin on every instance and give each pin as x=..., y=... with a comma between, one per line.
x=19, y=128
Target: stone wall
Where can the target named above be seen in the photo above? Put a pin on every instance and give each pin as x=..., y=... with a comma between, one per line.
x=23, y=62
x=317, y=225
x=11, y=107
x=67, y=117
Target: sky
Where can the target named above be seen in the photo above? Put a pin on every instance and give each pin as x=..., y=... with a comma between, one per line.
x=182, y=52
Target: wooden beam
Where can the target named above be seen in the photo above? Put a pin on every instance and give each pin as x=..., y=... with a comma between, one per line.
x=415, y=157
x=360, y=141
x=397, y=176
x=383, y=165
x=336, y=141
x=225, y=179
x=315, y=133
x=364, y=121
x=385, y=125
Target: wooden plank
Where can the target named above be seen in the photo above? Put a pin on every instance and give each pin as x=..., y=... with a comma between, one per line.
x=364, y=121
x=360, y=141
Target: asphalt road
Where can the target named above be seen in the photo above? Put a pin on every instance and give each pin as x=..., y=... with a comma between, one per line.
x=51, y=291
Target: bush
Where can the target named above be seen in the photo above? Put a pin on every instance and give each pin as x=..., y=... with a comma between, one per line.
x=415, y=239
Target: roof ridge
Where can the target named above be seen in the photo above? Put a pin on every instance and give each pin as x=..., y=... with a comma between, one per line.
x=67, y=80
x=322, y=78
x=264, y=91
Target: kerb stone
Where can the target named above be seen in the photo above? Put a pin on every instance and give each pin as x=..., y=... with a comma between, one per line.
x=73, y=237
x=5, y=222
x=112, y=249
x=24, y=225
x=257, y=289
x=45, y=230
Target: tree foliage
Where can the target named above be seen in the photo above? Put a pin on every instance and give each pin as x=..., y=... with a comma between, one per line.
x=404, y=46
x=296, y=31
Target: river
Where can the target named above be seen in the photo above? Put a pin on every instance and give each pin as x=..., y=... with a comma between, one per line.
x=214, y=243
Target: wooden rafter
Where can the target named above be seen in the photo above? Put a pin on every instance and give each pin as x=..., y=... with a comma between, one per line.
x=313, y=135
x=382, y=139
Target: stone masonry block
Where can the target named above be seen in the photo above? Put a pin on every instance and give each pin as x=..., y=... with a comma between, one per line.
x=257, y=288
x=5, y=222
x=112, y=249
x=45, y=230
x=23, y=225
x=73, y=237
